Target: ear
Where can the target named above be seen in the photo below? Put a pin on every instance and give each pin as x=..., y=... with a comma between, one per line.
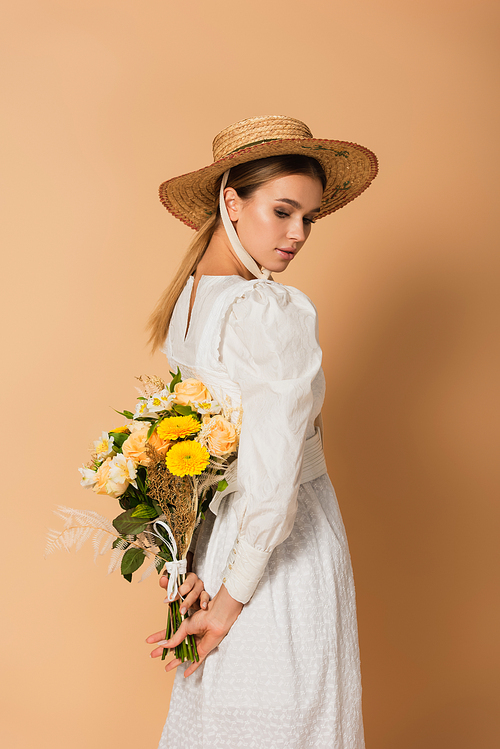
x=233, y=203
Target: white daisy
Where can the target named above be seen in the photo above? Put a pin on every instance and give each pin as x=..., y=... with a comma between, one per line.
x=142, y=409
x=103, y=447
x=89, y=476
x=160, y=401
x=207, y=407
x=123, y=470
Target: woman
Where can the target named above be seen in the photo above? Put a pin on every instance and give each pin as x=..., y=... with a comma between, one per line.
x=276, y=623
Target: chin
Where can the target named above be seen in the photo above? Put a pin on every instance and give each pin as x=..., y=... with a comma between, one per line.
x=278, y=267
x=274, y=264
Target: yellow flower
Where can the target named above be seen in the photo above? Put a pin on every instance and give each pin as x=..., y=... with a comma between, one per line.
x=174, y=427
x=187, y=458
x=119, y=429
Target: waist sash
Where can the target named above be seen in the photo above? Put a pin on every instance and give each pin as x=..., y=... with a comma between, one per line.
x=313, y=466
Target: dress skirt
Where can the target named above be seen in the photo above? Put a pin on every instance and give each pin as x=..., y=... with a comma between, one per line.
x=287, y=674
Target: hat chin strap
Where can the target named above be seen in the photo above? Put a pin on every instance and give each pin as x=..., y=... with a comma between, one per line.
x=240, y=251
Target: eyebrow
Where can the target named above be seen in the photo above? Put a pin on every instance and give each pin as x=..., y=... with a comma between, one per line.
x=295, y=204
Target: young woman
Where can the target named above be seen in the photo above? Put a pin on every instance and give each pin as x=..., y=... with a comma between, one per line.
x=276, y=620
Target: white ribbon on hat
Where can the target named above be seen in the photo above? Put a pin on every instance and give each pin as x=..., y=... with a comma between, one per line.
x=240, y=251
x=177, y=566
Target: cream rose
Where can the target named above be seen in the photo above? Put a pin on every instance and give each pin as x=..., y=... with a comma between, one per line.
x=189, y=391
x=104, y=485
x=135, y=445
x=220, y=435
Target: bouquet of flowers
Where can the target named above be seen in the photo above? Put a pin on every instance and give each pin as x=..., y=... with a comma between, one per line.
x=163, y=467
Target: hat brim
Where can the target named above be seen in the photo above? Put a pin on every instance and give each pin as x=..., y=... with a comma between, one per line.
x=349, y=170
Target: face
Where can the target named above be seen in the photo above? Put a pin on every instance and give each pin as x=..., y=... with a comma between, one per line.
x=276, y=220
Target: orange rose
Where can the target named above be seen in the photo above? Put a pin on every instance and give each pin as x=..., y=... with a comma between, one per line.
x=104, y=485
x=159, y=445
x=190, y=390
x=220, y=435
x=134, y=446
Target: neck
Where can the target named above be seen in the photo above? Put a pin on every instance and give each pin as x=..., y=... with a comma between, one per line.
x=220, y=258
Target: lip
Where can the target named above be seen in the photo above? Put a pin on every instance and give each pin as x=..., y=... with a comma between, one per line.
x=288, y=253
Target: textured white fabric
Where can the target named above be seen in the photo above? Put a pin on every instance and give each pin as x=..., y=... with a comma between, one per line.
x=313, y=466
x=287, y=674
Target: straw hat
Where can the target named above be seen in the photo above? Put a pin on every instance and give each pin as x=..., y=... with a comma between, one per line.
x=349, y=168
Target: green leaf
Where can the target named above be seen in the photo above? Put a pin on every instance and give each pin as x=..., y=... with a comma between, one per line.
x=183, y=410
x=119, y=438
x=131, y=561
x=175, y=379
x=141, y=479
x=127, y=525
x=127, y=414
x=166, y=555
x=151, y=429
x=145, y=512
x=128, y=577
x=157, y=507
x=222, y=485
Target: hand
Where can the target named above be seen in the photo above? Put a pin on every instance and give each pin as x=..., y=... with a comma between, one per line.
x=192, y=591
x=209, y=627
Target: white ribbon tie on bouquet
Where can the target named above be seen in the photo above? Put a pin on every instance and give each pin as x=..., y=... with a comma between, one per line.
x=177, y=566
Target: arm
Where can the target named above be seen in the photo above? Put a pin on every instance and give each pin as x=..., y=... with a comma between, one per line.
x=270, y=348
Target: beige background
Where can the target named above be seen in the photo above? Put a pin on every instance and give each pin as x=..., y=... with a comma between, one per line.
x=103, y=99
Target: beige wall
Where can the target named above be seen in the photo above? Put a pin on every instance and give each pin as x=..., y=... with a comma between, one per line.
x=102, y=101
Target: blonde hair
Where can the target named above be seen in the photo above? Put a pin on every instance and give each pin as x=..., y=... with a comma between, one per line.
x=159, y=320
x=245, y=179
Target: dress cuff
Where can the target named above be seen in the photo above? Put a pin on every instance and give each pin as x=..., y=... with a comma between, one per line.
x=245, y=566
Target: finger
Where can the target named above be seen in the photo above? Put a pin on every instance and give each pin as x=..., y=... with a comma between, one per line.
x=178, y=637
x=173, y=664
x=192, y=668
x=189, y=583
x=202, y=653
x=164, y=584
x=157, y=652
x=201, y=602
x=192, y=597
x=163, y=581
x=156, y=636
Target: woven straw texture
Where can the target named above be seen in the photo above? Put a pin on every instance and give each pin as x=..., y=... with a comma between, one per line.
x=349, y=168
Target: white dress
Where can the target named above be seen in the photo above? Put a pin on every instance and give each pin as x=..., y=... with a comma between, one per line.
x=287, y=674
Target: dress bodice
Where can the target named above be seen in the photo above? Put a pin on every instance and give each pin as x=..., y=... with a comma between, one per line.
x=198, y=351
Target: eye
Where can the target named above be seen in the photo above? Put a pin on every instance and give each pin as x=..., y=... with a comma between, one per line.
x=281, y=214
x=309, y=221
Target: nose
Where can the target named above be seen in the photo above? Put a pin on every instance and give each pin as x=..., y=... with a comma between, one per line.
x=296, y=231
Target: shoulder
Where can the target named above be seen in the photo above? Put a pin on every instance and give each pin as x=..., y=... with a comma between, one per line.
x=270, y=328
x=269, y=301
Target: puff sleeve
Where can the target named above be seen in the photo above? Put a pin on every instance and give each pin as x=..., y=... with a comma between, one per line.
x=270, y=348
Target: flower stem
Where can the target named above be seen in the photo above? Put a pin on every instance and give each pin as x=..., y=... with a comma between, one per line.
x=167, y=633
